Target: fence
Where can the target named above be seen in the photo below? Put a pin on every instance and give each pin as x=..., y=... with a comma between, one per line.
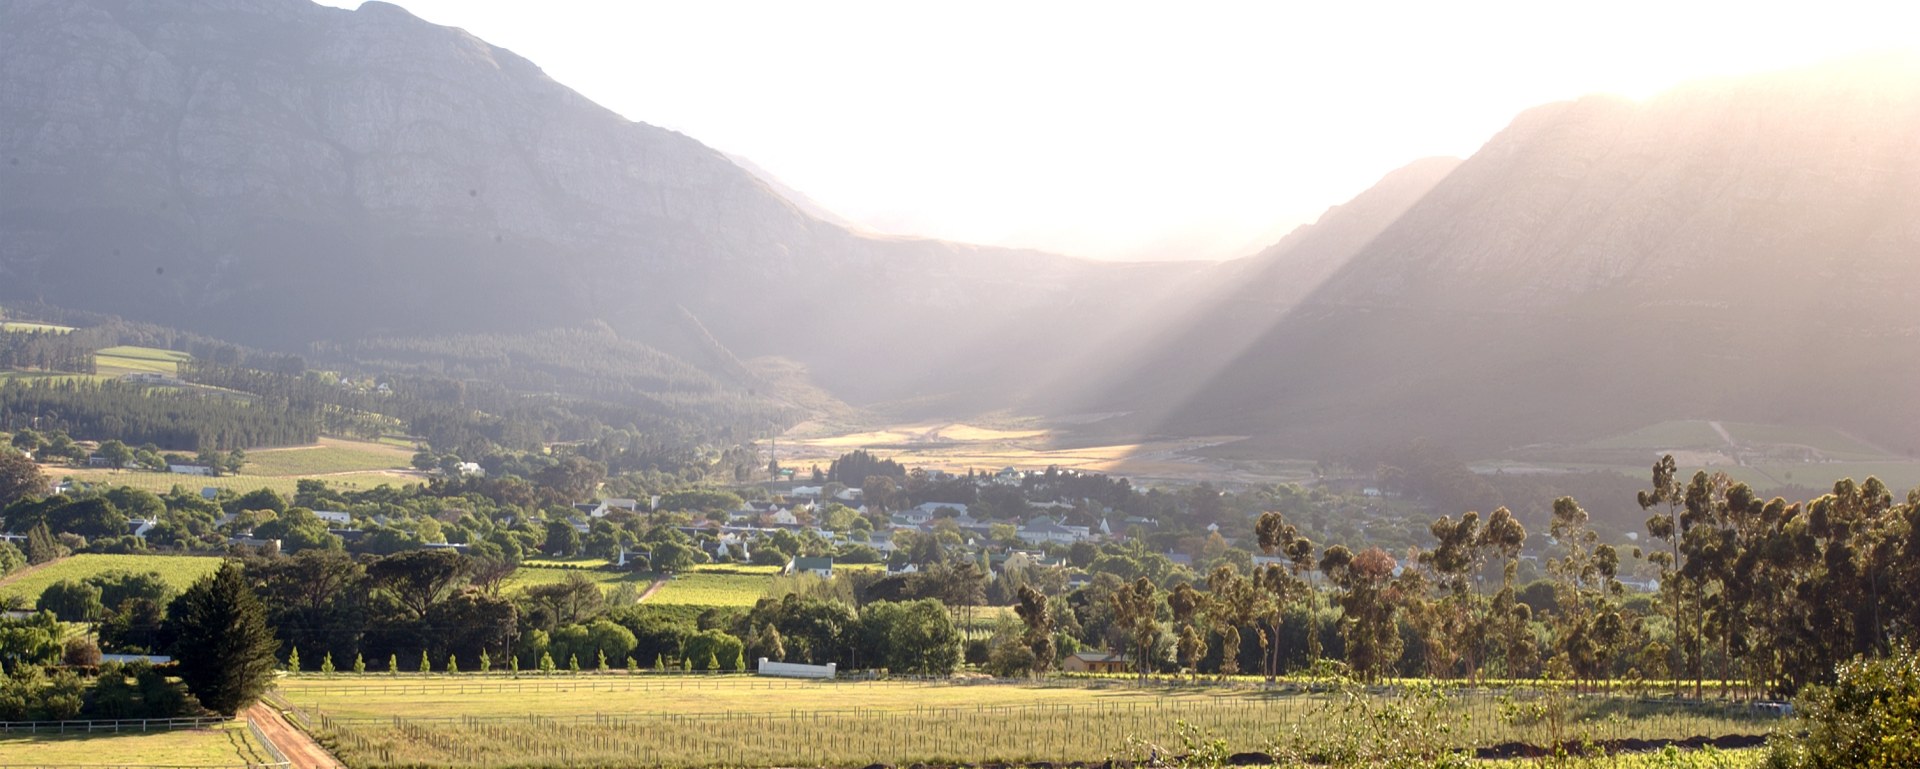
x=121, y=725
x=141, y=725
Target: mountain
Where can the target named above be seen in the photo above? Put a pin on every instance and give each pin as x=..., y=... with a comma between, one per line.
x=1744, y=249
x=281, y=173
x=1217, y=315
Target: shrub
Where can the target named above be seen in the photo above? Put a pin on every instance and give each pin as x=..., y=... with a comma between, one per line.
x=80, y=653
x=1869, y=717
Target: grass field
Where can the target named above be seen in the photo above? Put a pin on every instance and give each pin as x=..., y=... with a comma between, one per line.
x=179, y=571
x=228, y=745
x=16, y=325
x=341, y=463
x=330, y=456
x=116, y=361
x=677, y=720
x=161, y=483
x=528, y=576
x=710, y=586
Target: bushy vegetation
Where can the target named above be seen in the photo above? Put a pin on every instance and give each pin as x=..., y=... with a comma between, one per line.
x=1868, y=717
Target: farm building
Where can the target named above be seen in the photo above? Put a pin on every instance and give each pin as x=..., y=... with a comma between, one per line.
x=818, y=566
x=1097, y=662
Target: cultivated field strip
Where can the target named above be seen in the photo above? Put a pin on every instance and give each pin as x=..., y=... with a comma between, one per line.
x=1087, y=731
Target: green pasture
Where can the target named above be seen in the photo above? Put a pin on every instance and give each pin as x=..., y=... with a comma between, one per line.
x=329, y=457
x=127, y=359
x=179, y=571
x=229, y=744
x=528, y=576
x=31, y=327
x=709, y=588
x=161, y=483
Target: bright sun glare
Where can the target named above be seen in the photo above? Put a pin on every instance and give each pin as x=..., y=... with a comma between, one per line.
x=1120, y=130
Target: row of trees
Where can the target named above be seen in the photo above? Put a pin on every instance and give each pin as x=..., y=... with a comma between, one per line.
x=1761, y=594
x=137, y=414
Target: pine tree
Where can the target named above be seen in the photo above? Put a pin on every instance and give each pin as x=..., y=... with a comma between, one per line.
x=359, y=663
x=546, y=663
x=632, y=666
x=453, y=664
x=393, y=664
x=713, y=661
x=226, y=655
x=293, y=660
x=573, y=663
x=41, y=546
x=486, y=662
x=513, y=664
x=602, y=667
x=326, y=664
x=740, y=661
x=659, y=663
x=426, y=666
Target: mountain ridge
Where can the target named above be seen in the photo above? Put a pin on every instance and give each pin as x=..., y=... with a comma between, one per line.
x=1540, y=291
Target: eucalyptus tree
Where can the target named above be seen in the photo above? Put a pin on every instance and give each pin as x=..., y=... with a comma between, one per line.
x=1235, y=603
x=1136, y=610
x=1284, y=587
x=1670, y=527
x=1370, y=603
x=1189, y=606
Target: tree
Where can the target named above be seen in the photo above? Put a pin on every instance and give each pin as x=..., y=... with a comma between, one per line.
x=115, y=453
x=418, y=579
x=1187, y=604
x=916, y=637
x=41, y=546
x=562, y=539
x=1370, y=605
x=28, y=440
x=1285, y=586
x=1034, y=612
x=1135, y=608
x=225, y=654
x=20, y=478
x=1668, y=526
x=71, y=601
x=80, y=652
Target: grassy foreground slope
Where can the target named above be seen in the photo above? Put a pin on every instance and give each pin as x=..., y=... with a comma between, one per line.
x=226, y=745
x=674, y=720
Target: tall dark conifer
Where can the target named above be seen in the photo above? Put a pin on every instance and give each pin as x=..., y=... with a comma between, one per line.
x=225, y=650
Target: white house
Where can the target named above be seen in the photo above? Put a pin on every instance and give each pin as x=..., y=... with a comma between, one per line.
x=334, y=517
x=190, y=469
x=821, y=566
x=471, y=470
x=1044, y=530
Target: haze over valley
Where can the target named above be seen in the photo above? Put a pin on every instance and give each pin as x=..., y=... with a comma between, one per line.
x=360, y=186
x=1031, y=386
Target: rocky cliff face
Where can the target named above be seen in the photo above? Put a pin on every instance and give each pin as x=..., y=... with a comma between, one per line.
x=1740, y=249
x=282, y=172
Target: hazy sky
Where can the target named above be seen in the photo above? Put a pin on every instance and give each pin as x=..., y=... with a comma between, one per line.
x=1120, y=130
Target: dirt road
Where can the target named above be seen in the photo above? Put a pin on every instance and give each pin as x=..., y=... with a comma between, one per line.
x=300, y=749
